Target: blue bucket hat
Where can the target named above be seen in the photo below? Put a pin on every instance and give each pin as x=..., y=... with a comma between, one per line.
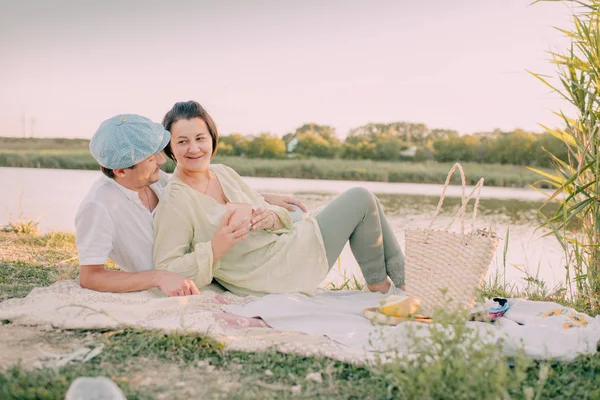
x=126, y=139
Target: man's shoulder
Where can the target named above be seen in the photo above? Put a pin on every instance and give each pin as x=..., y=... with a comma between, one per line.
x=102, y=194
x=101, y=191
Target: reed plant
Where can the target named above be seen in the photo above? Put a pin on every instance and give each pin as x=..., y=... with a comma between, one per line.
x=576, y=222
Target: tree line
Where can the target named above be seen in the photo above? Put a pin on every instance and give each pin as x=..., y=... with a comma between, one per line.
x=399, y=141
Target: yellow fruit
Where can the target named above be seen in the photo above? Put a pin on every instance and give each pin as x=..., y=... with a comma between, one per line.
x=399, y=306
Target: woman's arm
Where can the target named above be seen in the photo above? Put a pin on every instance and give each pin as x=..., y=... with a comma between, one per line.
x=174, y=246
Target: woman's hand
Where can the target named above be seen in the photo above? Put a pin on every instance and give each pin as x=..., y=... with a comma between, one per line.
x=228, y=236
x=263, y=219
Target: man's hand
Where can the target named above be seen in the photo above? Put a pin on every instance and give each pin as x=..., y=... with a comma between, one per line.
x=286, y=202
x=228, y=236
x=173, y=284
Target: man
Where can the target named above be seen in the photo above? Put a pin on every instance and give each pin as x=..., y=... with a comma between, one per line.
x=115, y=218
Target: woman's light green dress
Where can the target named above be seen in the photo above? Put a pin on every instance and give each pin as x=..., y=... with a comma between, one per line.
x=288, y=260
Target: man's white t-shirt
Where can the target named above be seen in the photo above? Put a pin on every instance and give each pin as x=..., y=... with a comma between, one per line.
x=113, y=223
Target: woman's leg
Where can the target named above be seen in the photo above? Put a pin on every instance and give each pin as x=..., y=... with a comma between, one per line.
x=356, y=216
x=394, y=258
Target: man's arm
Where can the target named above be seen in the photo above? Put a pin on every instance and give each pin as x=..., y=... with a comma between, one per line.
x=94, y=239
x=286, y=202
x=95, y=277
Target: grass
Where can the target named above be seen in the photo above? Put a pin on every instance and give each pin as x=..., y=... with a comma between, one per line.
x=345, y=281
x=328, y=169
x=148, y=365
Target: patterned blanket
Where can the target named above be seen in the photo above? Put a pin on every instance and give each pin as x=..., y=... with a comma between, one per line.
x=66, y=305
x=329, y=324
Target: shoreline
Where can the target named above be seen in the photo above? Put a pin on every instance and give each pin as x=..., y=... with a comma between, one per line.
x=495, y=175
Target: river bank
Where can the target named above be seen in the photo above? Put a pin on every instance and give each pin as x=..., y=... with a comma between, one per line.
x=325, y=169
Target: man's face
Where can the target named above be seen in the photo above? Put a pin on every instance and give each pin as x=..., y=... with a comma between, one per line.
x=145, y=172
x=191, y=144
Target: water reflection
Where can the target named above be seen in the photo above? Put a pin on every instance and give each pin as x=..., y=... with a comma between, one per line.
x=528, y=252
x=505, y=211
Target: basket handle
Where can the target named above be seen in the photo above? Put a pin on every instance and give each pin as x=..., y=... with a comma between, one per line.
x=464, y=199
x=462, y=209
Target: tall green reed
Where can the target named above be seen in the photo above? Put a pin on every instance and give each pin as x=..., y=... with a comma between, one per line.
x=576, y=223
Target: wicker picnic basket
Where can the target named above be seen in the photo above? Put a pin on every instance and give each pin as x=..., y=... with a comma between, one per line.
x=444, y=268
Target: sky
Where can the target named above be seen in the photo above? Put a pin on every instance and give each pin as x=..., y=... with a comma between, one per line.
x=273, y=65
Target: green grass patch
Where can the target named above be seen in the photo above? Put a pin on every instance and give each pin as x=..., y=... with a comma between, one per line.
x=28, y=261
x=18, y=278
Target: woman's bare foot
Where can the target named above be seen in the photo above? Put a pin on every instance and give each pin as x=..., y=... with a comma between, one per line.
x=382, y=287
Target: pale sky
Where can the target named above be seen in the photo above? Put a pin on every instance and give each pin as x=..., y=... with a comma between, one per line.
x=272, y=65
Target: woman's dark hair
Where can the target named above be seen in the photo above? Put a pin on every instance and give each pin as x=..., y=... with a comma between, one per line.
x=189, y=110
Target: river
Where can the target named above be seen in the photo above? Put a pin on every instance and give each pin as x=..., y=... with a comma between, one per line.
x=53, y=195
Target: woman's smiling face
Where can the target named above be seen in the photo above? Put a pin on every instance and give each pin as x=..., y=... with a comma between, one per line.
x=191, y=144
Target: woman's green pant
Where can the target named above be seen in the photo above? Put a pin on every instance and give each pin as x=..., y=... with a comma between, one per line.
x=356, y=216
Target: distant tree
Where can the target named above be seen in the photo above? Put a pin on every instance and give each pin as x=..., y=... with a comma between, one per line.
x=547, y=142
x=410, y=133
x=438, y=134
x=266, y=145
x=463, y=148
x=358, y=148
x=323, y=130
x=238, y=143
x=225, y=149
x=317, y=141
x=423, y=154
x=407, y=132
x=485, y=149
x=388, y=147
x=369, y=130
x=515, y=148
x=311, y=144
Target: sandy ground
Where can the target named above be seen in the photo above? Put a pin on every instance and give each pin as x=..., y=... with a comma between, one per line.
x=31, y=345
x=28, y=345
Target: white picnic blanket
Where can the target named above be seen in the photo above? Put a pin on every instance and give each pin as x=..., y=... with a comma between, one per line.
x=329, y=324
x=544, y=330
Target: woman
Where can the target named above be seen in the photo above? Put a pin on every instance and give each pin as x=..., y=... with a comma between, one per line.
x=268, y=253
